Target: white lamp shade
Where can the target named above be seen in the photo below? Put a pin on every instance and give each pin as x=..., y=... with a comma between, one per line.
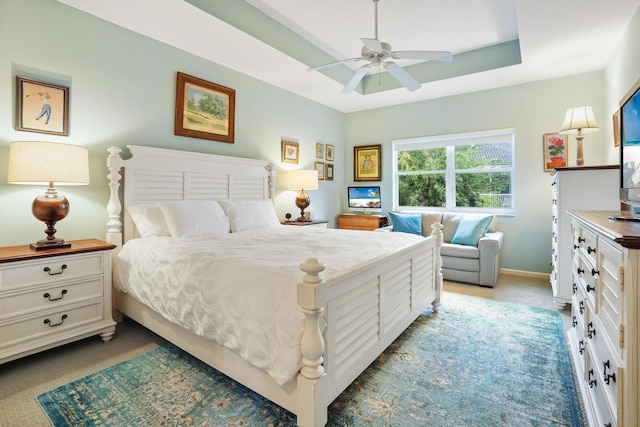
x=303, y=180
x=34, y=162
x=579, y=119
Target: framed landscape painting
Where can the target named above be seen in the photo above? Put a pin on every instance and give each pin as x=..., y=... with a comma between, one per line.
x=366, y=163
x=42, y=107
x=204, y=110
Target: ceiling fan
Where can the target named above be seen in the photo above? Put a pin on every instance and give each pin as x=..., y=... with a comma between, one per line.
x=380, y=54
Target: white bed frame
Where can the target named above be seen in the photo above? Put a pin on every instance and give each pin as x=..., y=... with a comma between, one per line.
x=350, y=319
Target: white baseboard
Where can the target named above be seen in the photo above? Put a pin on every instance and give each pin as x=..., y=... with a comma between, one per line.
x=525, y=273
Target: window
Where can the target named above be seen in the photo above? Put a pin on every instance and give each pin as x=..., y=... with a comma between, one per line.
x=469, y=171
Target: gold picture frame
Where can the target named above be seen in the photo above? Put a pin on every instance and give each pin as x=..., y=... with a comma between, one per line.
x=42, y=107
x=320, y=168
x=367, y=164
x=290, y=152
x=204, y=110
x=329, y=152
x=328, y=172
x=319, y=150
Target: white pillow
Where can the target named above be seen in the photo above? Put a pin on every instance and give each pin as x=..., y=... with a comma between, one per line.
x=189, y=218
x=249, y=214
x=149, y=220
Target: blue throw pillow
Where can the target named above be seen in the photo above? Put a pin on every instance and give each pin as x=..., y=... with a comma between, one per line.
x=471, y=229
x=406, y=223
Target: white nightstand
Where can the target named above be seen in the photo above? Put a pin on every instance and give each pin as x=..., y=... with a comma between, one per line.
x=55, y=296
x=322, y=223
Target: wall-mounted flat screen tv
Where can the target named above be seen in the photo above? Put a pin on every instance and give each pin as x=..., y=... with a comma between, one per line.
x=364, y=199
x=630, y=147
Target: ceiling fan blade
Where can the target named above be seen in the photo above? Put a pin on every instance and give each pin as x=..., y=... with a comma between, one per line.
x=402, y=76
x=425, y=55
x=373, y=45
x=356, y=78
x=331, y=64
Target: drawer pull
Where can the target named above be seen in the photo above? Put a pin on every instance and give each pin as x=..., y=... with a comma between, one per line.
x=581, y=346
x=589, y=250
x=575, y=288
x=581, y=240
x=575, y=246
x=62, y=294
x=581, y=307
x=53, y=325
x=62, y=268
x=608, y=377
x=607, y=425
x=591, y=330
x=590, y=288
x=580, y=270
x=592, y=382
x=595, y=272
x=575, y=321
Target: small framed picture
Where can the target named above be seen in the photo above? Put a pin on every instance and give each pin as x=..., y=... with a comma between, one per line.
x=366, y=163
x=319, y=150
x=616, y=128
x=329, y=152
x=42, y=107
x=290, y=152
x=555, y=150
x=204, y=109
x=320, y=168
x=328, y=173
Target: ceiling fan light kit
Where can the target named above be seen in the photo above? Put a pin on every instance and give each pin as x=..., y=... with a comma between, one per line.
x=380, y=54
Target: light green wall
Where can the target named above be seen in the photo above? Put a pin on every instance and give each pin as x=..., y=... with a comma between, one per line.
x=122, y=91
x=122, y=88
x=531, y=110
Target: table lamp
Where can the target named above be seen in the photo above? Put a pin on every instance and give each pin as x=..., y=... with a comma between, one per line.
x=578, y=121
x=46, y=163
x=303, y=180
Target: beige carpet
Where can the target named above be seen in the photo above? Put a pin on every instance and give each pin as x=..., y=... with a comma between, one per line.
x=22, y=380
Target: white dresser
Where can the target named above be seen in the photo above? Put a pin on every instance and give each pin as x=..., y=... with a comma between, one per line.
x=54, y=296
x=592, y=187
x=604, y=338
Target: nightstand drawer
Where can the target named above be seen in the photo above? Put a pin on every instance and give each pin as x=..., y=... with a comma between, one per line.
x=50, y=270
x=19, y=303
x=49, y=324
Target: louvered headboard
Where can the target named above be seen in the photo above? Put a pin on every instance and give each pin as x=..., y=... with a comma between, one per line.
x=159, y=174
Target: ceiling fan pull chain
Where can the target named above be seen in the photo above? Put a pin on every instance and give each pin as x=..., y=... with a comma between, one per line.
x=375, y=2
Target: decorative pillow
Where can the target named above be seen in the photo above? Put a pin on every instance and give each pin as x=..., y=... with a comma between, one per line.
x=471, y=229
x=406, y=223
x=149, y=220
x=190, y=218
x=249, y=214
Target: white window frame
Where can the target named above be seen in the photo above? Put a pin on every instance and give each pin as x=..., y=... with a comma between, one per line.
x=450, y=141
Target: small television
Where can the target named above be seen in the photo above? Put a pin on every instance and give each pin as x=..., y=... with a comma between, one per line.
x=365, y=199
x=629, y=134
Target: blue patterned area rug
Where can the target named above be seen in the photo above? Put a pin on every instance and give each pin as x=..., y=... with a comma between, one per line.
x=474, y=363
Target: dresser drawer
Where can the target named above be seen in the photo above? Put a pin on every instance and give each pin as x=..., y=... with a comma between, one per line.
x=607, y=369
x=585, y=273
x=605, y=412
x=50, y=270
x=19, y=303
x=49, y=324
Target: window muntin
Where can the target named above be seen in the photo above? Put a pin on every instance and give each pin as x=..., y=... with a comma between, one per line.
x=472, y=171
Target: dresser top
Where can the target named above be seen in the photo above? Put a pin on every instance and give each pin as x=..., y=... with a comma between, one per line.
x=583, y=168
x=24, y=252
x=625, y=233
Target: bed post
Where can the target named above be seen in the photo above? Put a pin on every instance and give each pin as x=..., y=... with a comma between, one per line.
x=436, y=230
x=312, y=384
x=114, y=207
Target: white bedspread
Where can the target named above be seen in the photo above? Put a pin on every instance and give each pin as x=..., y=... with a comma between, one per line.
x=239, y=289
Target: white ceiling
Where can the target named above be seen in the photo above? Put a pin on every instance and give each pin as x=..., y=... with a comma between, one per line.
x=557, y=38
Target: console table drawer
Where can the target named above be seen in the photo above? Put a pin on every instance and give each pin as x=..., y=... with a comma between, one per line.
x=19, y=303
x=50, y=270
x=48, y=324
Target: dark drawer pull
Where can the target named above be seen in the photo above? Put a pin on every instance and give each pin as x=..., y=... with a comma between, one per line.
x=608, y=377
x=581, y=346
x=575, y=288
x=53, y=325
x=574, y=322
x=590, y=288
x=581, y=305
x=595, y=272
x=580, y=270
x=62, y=294
x=62, y=268
x=591, y=330
x=581, y=240
x=590, y=250
x=592, y=382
